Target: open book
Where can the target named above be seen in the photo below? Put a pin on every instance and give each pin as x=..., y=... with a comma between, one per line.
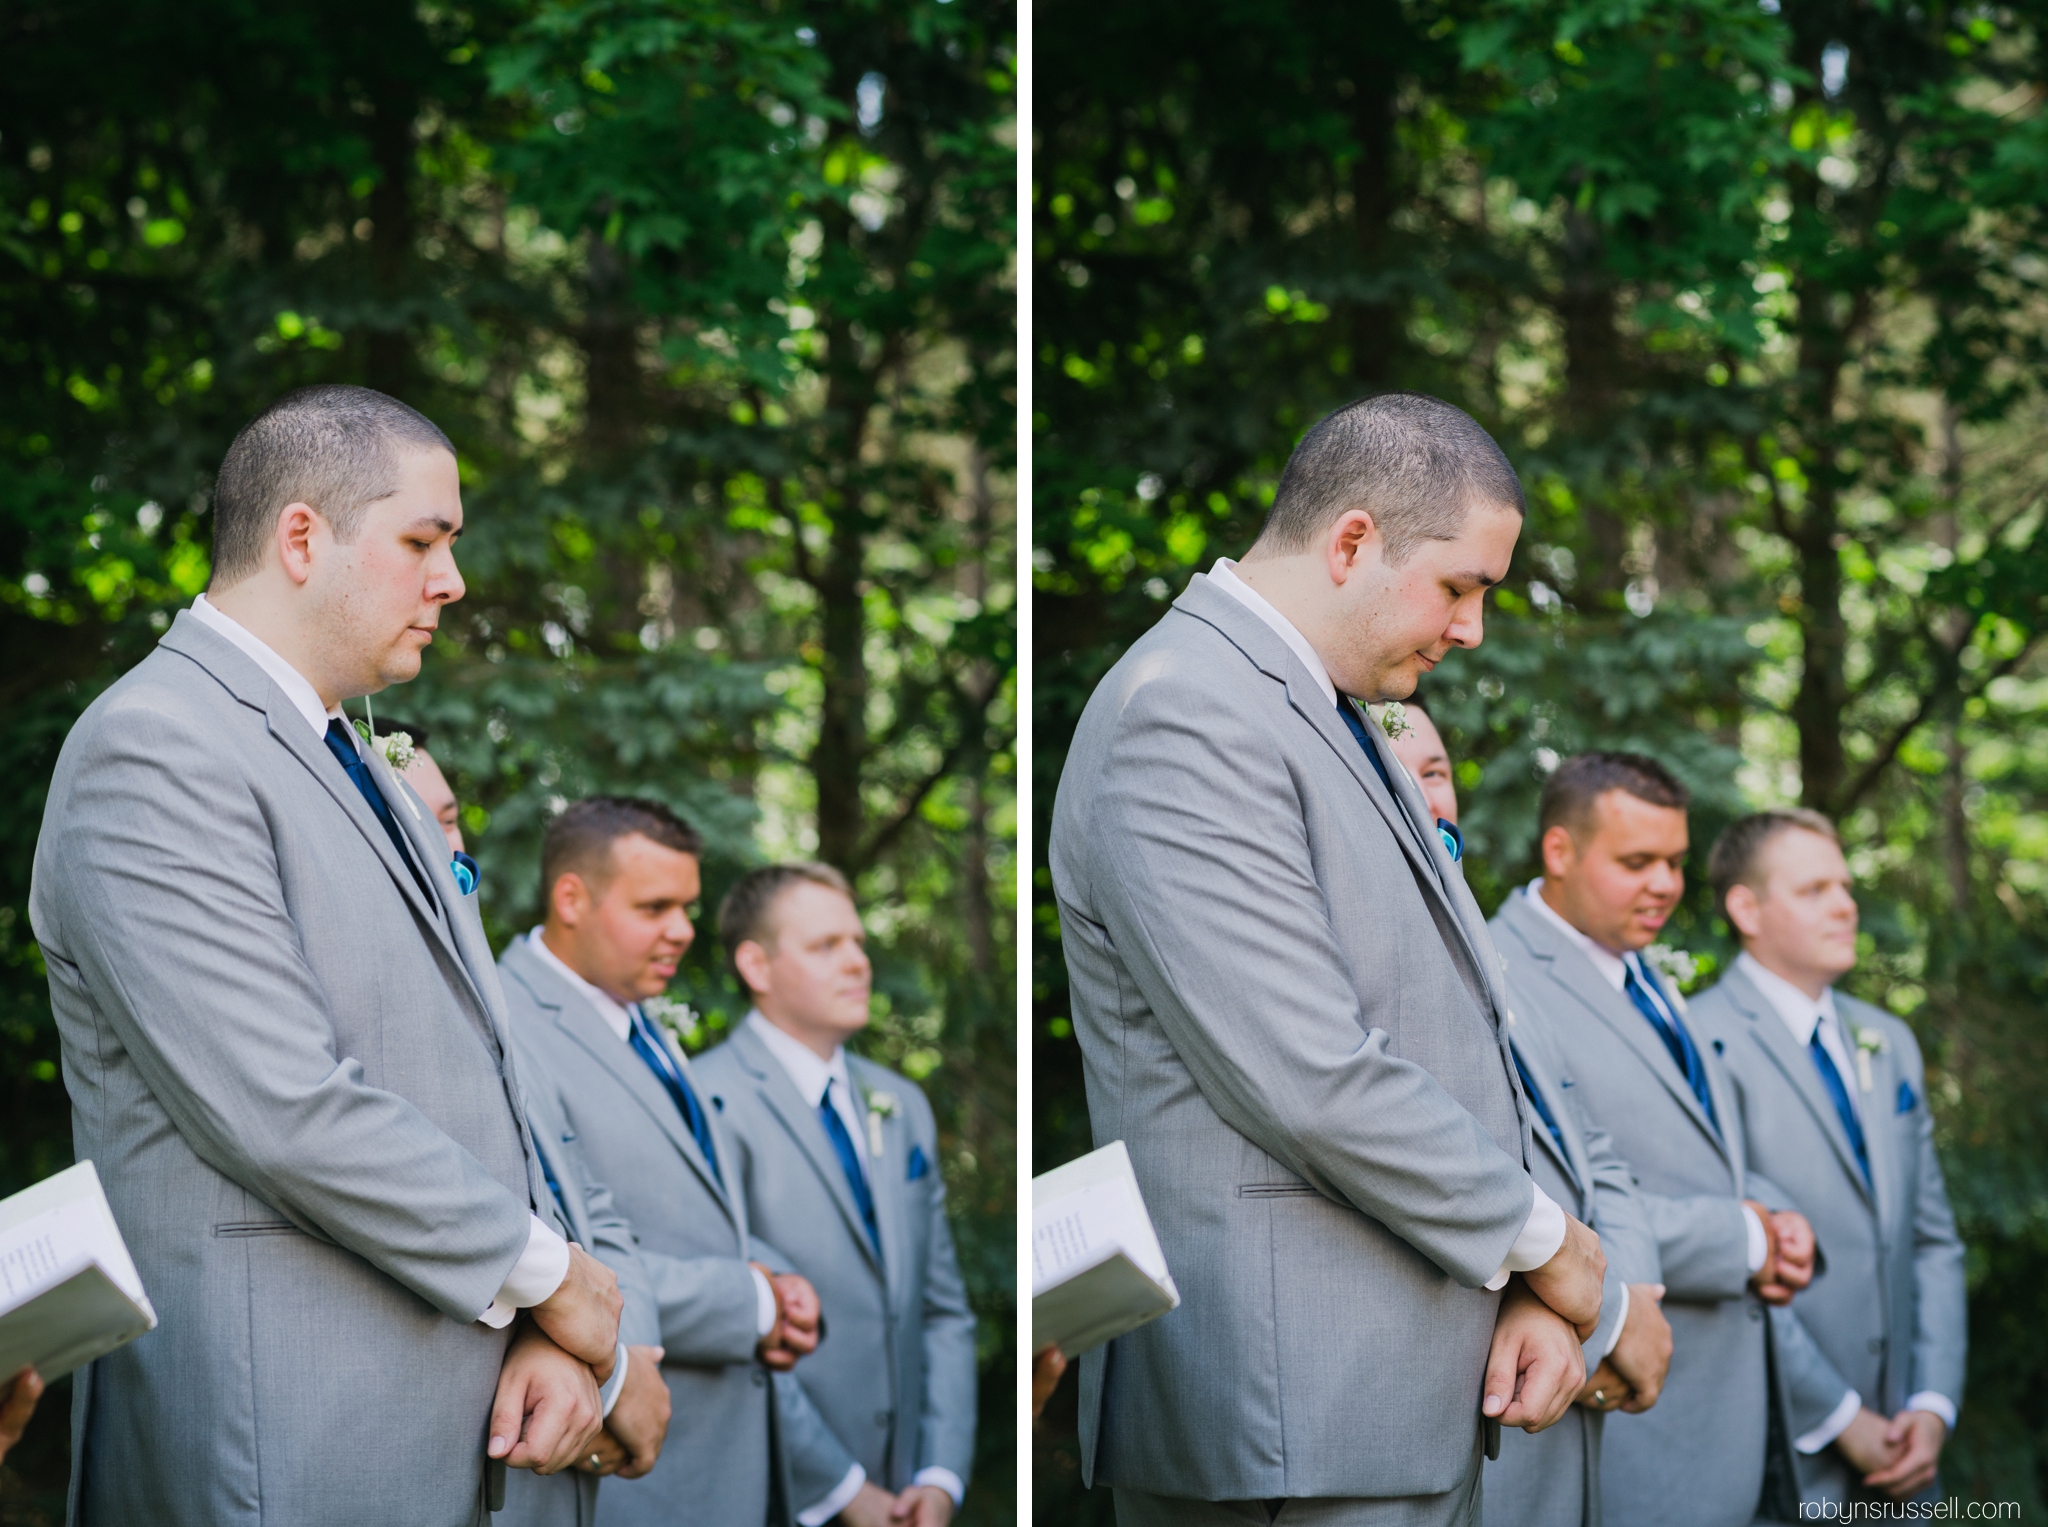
x=1096, y=1267
x=69, y=1291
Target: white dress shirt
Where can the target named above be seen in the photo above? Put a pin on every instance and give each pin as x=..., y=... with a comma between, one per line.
x=1804, y=1016
x=1614, y=969
x=1543, y=1232
x=545, y=1262
x=810, y=1073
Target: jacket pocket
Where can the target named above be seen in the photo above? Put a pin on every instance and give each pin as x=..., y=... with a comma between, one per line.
x=1276, y=1190
x=258, y=1227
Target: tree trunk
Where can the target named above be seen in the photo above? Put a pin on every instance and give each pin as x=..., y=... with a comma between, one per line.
x=388, y=362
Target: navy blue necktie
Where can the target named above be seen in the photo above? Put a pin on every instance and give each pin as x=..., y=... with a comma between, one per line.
x=1831, y=1079
x=680, y=1092
x=1350, y=714
x=555, y=1188
x=341, y=742
x=1535, y=1096
x=1684, y=1053
x=849, y=1162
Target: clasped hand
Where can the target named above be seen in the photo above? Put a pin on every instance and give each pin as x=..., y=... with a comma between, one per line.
x=1788, y=1254
x=797, y=1314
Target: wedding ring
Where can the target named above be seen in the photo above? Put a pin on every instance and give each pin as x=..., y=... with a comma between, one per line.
x=596, y=1462
x=1599, y=1398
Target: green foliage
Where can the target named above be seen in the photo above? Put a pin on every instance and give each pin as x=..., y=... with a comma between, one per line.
x=717, y=302
x=1751, y=294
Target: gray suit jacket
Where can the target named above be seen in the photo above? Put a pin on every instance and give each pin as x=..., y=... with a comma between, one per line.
x=290, y=1065
x=1552, y=1479
x=1699, y=1457
x=584, y=1213
x=740, y=1449
x=894, y=1380
x=1888, y=1308
x=1288, y=1008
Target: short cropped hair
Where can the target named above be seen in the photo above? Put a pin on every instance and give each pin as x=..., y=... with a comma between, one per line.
x=1571, y=791
x=1416, y=464
x=335, y=448
x=579, y=841
x=746, y=914
x=1733, y=861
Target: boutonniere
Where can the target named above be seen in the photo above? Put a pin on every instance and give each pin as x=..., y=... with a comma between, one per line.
x=674, y=1015
x=1393, y=719
x=1869, y=1042
x=1677, y=966
x=395, y=748
x=881, y=1105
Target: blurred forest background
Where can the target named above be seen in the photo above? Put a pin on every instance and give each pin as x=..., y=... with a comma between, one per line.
x=1753, y=294
x=716, y=298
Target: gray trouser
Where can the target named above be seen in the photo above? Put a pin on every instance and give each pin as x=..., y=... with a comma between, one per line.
x=1454, y=1508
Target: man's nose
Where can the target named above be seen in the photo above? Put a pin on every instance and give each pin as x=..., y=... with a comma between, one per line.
x=1468, y=622
x=445, y=584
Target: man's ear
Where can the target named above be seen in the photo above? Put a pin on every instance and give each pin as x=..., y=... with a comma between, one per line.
x=1745, y=911
x=1559, y=852
x=297, y=528
x=1346, y=543
x=569, y=898
x=751, y=960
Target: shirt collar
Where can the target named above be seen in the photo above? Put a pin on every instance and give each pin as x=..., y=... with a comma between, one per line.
x=807, y=1069
x=1613, y=968
x=617, y=1018
x=1801, y=1013
x=297, y=689
x=1224, y=575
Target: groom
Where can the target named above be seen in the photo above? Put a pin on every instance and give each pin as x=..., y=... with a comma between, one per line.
x=1290, y=1011
x=285, y=1043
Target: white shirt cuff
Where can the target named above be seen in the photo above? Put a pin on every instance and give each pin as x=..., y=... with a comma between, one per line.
x=944, y=1479
x=1542, y=1233
x=608, y=1396
x=1935, y=1404
x=1759, y=1248
x=836, y=1502
x=764, y=1308
x=1837, y=1422
x=1620, y=1325
x=534, y=1277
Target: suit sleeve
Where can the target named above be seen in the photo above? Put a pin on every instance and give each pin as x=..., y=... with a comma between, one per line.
x=162, y=900
x=1941, y=1318
x=817, y=1460
x=951, y=1395
x=1203, y=880
x=612, y=1243
x=1702, y=1245
x=1618, y=1212
x=1814, y=1388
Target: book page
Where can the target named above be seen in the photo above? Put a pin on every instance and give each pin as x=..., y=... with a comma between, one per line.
x=1081, y=1228
x=41, y=1252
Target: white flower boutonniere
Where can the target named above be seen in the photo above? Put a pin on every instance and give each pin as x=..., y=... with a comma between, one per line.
x=678, y=1017
x=1678, y=968
x=1393, y=719
x=881, y=1105
x=1869, y=1042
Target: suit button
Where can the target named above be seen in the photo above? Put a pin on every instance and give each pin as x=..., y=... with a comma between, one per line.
x=1877, y=1343
x=884, y=1417
x=1756, y=1312
x=760, y=1378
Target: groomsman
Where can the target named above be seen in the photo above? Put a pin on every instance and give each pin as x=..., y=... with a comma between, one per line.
x=634, y=1400
x=1833, y=1097
x=284, y=1040
x=618, y=878
x=1614, y=839
x=1290, y=1011
x=840, y=1160
x=1552, y=1478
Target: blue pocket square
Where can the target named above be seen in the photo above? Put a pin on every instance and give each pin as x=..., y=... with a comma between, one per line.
x=467, y=876
x=919, y=1166
x=1906, y=1097
x=1453, y=840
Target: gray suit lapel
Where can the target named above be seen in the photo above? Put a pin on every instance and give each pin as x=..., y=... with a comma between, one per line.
x=1575, y=1168
x=887, y=1173
x=1768, y=1030
x=808, y=1131
x=1547, y=947
x=1272, y=657
x=1879, y=1107
x=242, y=678
x=575, y=1017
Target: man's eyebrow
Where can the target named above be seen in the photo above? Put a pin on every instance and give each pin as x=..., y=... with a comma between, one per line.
x=1484, y=580
x=435, y=523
